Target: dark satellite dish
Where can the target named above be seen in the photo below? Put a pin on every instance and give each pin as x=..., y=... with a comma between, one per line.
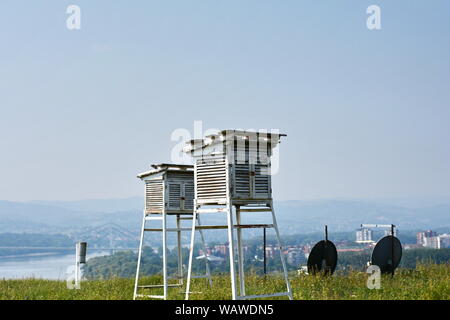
x=323, y=257
x=387, y=254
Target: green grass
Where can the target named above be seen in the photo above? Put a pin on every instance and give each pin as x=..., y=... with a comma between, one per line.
x=425, y=282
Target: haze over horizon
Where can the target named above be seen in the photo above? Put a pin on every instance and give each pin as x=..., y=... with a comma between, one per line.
x=129, y=203
x=367, y=113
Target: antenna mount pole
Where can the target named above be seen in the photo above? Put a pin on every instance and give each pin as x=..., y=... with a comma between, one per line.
x=392, y=249
x=264, y=251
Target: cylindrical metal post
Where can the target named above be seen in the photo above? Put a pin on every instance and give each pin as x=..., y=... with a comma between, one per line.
x=80, y=257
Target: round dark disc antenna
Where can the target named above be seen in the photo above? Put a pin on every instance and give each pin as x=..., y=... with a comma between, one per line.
x=323, y=257
x=387, y=254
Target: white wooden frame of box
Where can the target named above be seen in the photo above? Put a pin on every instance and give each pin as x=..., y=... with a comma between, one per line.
x=221, y=180
x=159, y=205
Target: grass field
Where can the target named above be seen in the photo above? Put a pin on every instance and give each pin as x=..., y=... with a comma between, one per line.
x=425, y=282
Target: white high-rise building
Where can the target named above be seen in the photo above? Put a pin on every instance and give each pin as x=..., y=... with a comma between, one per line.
x=432, y=242
x=424, y=234
x=364, y=235
x=430, y=239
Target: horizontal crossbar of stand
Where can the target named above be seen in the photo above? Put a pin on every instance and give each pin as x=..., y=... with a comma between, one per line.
x=151, y=286
x=149, y=296
x=200, y=277
x=160, y=217
x=211, y=210
x=153, y=218
x=237, y=226
x=256, y=296
x=250, y=226
x=170, y=229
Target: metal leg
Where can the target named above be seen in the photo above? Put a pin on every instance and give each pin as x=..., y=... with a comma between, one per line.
x=240, y=254
x=139, y=258
x=283, y=262
x=191, y=254
x=264, y=252
x=231, y=249
x=77, y=275
x=208, y=268
x=180, y=257
x=164, y=227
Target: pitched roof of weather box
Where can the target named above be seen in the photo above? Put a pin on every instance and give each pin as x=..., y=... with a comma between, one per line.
x=231, y=135
x=168, y=167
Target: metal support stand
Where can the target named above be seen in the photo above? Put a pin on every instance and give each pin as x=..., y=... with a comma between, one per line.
x=196, y=219
x=179, y=276
x=268, y=207
x=231, y=248
x=240, y=253
x=205, y=253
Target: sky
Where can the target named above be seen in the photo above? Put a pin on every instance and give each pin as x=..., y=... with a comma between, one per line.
x=366, y=112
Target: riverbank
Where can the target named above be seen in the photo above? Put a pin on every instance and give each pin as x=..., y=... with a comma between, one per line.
x=52, y=265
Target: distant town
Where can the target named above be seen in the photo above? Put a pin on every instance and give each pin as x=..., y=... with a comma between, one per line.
x=425, y=239
x=297, y=254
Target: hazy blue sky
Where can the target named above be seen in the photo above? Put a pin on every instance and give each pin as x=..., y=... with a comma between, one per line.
x=367, y=113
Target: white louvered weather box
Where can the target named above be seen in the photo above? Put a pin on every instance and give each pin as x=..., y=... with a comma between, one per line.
x=169, y=187
x=233, y=163
x=169, y=197
x=233, y=174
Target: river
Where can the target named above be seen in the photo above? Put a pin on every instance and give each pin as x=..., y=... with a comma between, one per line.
x=43, y=265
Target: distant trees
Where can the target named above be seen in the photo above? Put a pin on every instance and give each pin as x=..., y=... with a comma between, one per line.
x=34, y=240
x=412, y=257
x=16, y=242
x=123, y=264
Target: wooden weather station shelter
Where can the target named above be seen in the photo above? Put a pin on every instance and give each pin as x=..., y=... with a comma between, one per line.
x=232, y=175
x=169, y=194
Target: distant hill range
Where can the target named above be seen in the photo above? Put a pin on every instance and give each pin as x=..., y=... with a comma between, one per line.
x=293, y=216
x=62, y=217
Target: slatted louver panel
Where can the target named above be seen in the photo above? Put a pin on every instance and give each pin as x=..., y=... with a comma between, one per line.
x=262, y=181
x=189, y=194
x=242, y=180
x=211, y=180
x=175, y=196
x=183, y=176
x=154, y=196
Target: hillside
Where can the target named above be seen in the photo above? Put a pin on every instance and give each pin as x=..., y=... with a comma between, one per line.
x=429, y=282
